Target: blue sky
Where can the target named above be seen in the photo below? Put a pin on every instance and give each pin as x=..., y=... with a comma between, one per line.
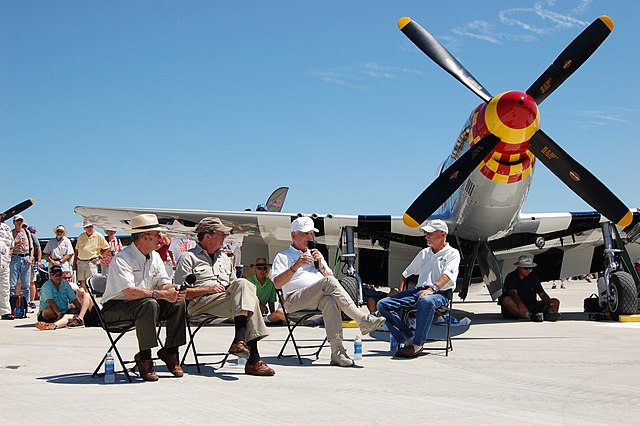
x=212, y=105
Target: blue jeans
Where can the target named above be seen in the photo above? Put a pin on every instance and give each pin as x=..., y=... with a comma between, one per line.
x=426, y=306
x=19, y=269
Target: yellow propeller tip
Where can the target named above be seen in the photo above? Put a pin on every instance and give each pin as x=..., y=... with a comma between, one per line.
x=625, y=221
x=607, y=21
x=409, y=221
x=402, y=22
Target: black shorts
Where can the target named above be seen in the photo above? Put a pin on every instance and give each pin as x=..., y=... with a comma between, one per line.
x=534, y=308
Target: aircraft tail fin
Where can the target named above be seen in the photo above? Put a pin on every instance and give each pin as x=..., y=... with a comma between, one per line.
x=276, y=199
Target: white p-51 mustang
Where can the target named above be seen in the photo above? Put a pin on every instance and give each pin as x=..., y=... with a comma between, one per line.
x=479, y=192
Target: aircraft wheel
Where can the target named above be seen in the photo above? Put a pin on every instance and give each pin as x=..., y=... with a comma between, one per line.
x=624, y=296
x=350, y=284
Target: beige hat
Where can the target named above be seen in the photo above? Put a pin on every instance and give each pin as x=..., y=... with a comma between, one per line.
x=525, y=262
x=145, y=223
x=86, y=223
x=60, y=228
x=211, y=224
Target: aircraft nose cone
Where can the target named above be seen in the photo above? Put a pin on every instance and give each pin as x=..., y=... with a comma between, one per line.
x=517, y=110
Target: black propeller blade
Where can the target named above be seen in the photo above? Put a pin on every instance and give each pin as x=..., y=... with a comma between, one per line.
x=571, y=58
x=579, y=179
x=448, y=182
x=16, y=209
x=441, y=56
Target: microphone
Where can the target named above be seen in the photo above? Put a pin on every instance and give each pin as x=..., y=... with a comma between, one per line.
x=188, y=281
x=312, y=245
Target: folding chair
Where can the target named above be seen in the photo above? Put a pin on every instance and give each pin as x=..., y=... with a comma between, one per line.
x=96, y=285
x=443, y=312
x=298, y=318
x=199, y=321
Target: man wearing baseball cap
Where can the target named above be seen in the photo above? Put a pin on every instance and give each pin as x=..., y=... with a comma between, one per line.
x=307, y=286
x=437, y=270
x=219, y=292
x=519, y=295
x=139, y=289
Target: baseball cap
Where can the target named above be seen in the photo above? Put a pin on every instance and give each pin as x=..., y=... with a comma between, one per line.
x=18, y=217
x=262, y=207
x=55, y=270
x=637, y=260
x=303, y=224
x=32, y=228
x=211, y=224
x=435, y=225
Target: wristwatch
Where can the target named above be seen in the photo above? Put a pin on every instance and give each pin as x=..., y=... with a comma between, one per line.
x=434, y=287
x=154, y=294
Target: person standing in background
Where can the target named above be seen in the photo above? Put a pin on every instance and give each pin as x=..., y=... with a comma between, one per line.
x=115, y=247
x=37, y=258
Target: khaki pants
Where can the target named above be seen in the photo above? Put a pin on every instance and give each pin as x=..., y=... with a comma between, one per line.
x=239, y=296
x=326, y=295
x=5, y=306
x=86, y=269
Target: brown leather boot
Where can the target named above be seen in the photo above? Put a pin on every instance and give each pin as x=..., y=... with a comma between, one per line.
x=172, y=362
x=145, y=367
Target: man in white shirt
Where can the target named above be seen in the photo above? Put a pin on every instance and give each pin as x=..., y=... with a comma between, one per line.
x=59, y=250
x=139, y=289
x=437, y=270
x=308, y=283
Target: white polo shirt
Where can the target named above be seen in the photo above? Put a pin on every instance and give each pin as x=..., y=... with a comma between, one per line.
x=430, y=266
x=304, y=276
x=130, y=268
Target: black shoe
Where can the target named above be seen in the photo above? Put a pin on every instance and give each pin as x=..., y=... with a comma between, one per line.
x=537, y=317
x=552, y=316
x=8, y=317
x=32, y=305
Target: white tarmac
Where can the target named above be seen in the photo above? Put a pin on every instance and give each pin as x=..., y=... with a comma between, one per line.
x=574, y=371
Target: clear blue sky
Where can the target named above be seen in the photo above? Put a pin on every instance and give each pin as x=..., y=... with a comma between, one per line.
x=212, y=105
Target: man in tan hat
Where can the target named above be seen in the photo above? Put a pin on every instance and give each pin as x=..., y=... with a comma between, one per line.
x=437, y=269
x=218, y=291
x=307, y=282
x=59, y=250
x=139, y=289
x=519, y=295
x=90, y=248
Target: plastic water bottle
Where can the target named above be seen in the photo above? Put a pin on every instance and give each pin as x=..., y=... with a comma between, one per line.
x=393, y=344
x=109, y=371
x=241, y=362
x=357, y=348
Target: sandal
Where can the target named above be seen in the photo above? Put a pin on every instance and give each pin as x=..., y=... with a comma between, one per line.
x=41, y=325
x=75, y=323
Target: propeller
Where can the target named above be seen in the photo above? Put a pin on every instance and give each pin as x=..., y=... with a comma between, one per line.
x=573, y=174
x=18, y=208
x=448, y=182
x=578, y=51
x=441, y=56
x=579, y=179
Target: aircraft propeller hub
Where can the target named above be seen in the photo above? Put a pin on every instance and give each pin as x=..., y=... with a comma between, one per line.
x=513, y=117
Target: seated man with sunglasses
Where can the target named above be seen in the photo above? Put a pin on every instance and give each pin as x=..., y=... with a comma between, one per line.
x=219, y=292
x=266, y=291
x=56, y=295
x=520, y=291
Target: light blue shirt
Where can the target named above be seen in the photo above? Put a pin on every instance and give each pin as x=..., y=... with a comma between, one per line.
x=62, y=296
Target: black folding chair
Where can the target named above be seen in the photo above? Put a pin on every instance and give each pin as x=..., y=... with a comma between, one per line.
x=444, y=312
x=96, y=285
x=198, y=321
x=298, y=318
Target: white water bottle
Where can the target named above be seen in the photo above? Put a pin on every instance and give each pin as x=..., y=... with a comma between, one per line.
x=109, y=371
x=241, y=362
x=357, y=348
x=393, y=344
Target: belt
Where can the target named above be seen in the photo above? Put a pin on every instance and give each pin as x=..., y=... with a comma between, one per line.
x=20, y=255
x=88, y=260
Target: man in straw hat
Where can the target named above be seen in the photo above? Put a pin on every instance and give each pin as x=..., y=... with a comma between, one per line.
x=59, y=250
x=219, y=292
x=139, y=289
x=520, y=291
x=90, y=248
x=308, y=283
x=437, y=269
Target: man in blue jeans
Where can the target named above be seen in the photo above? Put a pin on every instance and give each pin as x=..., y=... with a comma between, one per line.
x=21, y=257
x=437, y=270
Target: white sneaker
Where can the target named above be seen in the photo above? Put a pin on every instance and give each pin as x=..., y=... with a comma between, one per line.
x=370, y=323
x=340, y=358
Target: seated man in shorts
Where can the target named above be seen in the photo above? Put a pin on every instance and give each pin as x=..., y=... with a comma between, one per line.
x=56, y=295
x=520, y=291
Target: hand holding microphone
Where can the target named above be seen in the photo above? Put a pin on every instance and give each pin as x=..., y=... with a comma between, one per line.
x=312, y=246
x=189, y=280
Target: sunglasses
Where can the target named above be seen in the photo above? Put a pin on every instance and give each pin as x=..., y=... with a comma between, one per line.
x=262, y=268
x=56, y=275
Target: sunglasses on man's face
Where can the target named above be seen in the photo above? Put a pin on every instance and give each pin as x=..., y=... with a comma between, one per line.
x=56, y=275
x=262, y=268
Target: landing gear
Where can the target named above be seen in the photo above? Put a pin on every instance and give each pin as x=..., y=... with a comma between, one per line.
x=620, y=287
x=623, y=297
